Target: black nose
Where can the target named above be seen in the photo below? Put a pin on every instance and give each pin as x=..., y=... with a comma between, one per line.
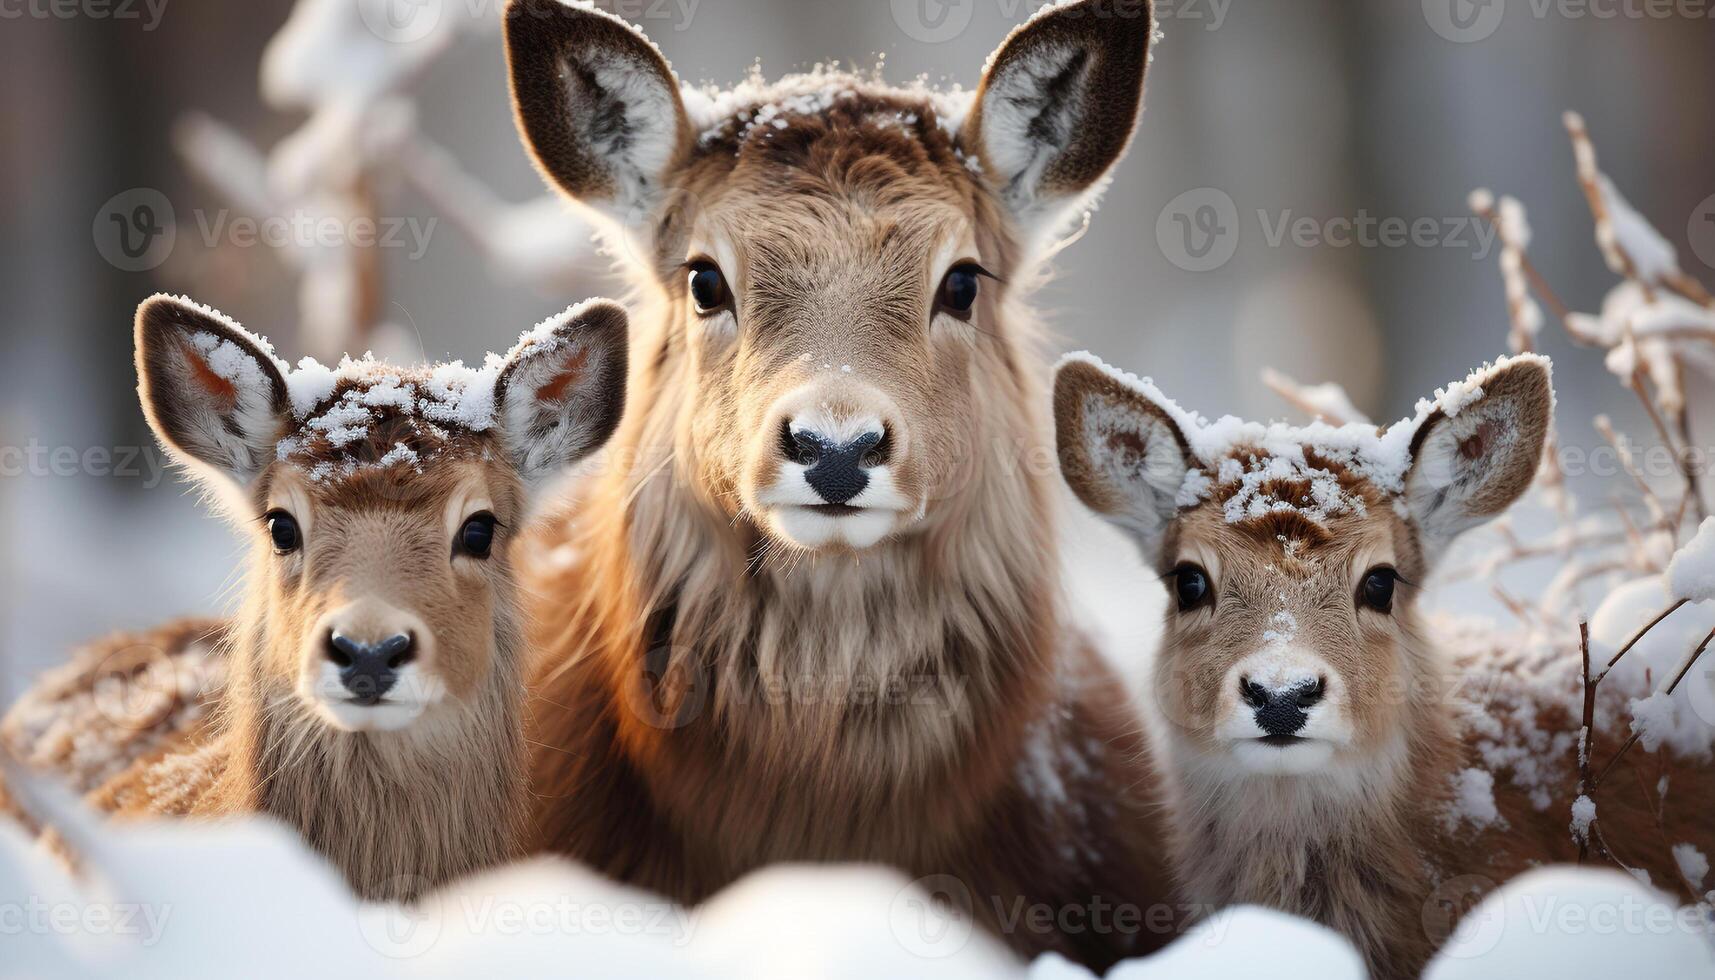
x=1281, y=712
x=369, y=670
x=836, y=471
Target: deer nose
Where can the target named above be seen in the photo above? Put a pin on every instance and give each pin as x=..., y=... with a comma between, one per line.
x=836, y=470
x=369, y=670
x=1281, y=711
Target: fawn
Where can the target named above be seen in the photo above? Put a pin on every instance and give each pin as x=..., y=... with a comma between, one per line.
x=819, y=620
x=376, y=675
x=1316, y=756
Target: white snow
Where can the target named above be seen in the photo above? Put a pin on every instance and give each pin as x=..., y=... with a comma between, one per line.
x=1473, y=800
x=1685, y=720
x=1691, y=574
x=1253, y=455
x=1570, y=923
x=1693, y=865
x=1583, y=815
x=1625, y=237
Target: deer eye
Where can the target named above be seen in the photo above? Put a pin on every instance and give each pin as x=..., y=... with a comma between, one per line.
x=958, y=293
x=1190, y=586
x=476, y=537
x=283, y=532
x=707, y=285
x=1377, y=588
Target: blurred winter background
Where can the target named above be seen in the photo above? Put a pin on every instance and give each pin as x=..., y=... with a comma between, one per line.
x=397, y=110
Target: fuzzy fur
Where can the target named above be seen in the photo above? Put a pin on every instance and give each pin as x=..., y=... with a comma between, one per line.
x=713, y=697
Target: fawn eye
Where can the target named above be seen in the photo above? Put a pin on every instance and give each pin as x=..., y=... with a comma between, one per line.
x=1190, y=586
x=476, y=537
x=283, y=531
x=708, y=286
x=1377, y=588
x=958, y=293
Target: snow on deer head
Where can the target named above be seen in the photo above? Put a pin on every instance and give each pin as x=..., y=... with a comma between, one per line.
x=1291, y=555
x=833, y=256
x=381, y=501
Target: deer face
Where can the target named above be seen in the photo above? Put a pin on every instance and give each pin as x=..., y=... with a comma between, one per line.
x=381, y=502
x=831, y=254
x=1291, y=556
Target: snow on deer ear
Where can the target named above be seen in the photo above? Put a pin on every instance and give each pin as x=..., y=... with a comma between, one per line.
x=1477, y=448
x=1122, y=447
x=212, y=391
x=561, y=390
x=1058, y=103
x=597, y=104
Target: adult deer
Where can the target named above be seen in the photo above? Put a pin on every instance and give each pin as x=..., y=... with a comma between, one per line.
x=1320, y=754
x=375, y=678
x=817, y=618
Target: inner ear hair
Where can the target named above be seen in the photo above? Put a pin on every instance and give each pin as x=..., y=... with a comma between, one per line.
x=1060, y=99
x=597, y=104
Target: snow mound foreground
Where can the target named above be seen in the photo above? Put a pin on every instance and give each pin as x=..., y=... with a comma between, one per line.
x=246, y=897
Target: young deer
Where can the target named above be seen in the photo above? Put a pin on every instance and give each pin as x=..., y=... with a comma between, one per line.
x=818, y=619
x=376, y=672
x=1317, y=756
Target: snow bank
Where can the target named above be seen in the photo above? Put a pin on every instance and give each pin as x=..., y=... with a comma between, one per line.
x=1575, y=923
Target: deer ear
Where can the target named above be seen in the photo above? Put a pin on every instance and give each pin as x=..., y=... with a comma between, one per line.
x=1058, y=103
x=597, y=104
x=561, y=391
x=1121, y=450
x=212, y=391
x=1478, y=449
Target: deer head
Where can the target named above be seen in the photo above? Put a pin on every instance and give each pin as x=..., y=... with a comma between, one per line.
x=1292, y=555
x=832, y=257
x=380, y=502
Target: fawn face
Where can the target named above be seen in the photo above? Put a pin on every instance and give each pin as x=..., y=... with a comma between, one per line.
x=382, y=502
x=1291, y=556
x=831, y=252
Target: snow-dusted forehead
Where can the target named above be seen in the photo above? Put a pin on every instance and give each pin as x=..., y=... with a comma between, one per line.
x=368, y=414
x=1319, y=472
x=759, y=109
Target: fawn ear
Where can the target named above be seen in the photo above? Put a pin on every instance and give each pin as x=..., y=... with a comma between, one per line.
x=1058, y=103
x=561, y=390
x=597, y=104
x=1121, y=450
x=1478, y=449
x=212, y=391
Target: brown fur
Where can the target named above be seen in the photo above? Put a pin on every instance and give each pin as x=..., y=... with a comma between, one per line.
x=714, y=698
x=1371, y=843
x=398, y=807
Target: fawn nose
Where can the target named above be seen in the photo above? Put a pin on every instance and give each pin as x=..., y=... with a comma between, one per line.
x=1281, y=711
x=369, y=670
x=837, y=469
